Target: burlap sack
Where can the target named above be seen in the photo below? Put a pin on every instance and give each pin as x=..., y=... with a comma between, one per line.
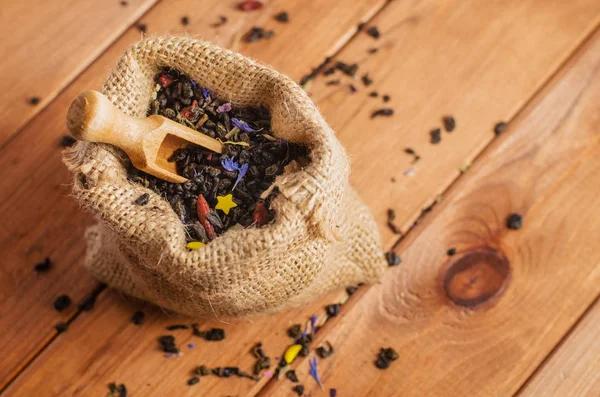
x=322, y=237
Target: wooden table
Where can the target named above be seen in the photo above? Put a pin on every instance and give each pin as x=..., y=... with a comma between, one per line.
x=534, y=64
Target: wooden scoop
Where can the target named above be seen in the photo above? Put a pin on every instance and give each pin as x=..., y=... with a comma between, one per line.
x=148, y=142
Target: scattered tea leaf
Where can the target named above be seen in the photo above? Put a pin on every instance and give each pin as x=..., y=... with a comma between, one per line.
x=138, y=318
x=282, y=17
x=257, y=33
x=222, y=21
x=373, y=31
x=451, y=251
x=435, y=136
x=62, y=302
x=391, y=214
x=34, y=100
x=194, y=380
x=347, y=69
x=393, y=259
x=449, y=123
x=67, y=140
x=298, y=389
x=325, y=352
x=382, y=112
x=143, y=199
x=500, y=127
x=367, y=81
x=142, y=27
x=333, y=309
x=295, y=331
x=291, y=375
x=514, y=221
x=313, y=73
x=43, y=266
x=177, y=326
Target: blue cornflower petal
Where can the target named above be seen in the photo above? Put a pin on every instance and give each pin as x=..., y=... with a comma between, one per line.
x=314, y=371
x=206, y=93
x=242, y=125
x=231, y=165
x=241, y=172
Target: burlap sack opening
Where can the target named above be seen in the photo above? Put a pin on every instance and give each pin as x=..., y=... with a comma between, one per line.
x=323, y=236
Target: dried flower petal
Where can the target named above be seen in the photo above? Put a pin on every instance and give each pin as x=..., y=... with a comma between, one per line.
x=313, y=322
x=224, y=108
x=314, y=371
x=225, y=203
x=250, y=5
x=291, y=353
x=242, y=125
x=194, y=245
x=231, y=165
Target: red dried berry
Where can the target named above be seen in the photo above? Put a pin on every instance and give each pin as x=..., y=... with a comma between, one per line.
x=165, y=80
x=203, y=210
x=260, y=215
x=250, y=5
x=186, y=112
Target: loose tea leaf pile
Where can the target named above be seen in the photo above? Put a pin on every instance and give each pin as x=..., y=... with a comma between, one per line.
x=252, y=159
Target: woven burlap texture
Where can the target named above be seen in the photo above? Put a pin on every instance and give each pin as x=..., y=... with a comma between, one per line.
x=323, y=235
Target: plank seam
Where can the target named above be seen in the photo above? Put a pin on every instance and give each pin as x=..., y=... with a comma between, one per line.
x=556, y=347
x=92, y=61
x=586, y=38
x=97, y=291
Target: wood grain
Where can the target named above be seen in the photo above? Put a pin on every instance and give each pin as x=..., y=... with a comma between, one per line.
x=478, y=63
x=546, y=168
x=424, y=79
x=38, y=216
x=47, y=44
x=574, y=368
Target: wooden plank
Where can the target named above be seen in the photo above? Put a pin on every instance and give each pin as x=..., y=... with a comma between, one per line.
x=38, y=217
x=573, y=369
x=551, y=46
x=480, y=322
x=47, y=44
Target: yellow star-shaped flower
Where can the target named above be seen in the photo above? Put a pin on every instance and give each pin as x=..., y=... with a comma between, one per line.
x=225, y=203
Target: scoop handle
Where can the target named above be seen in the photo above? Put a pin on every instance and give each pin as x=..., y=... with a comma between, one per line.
x=93, y=118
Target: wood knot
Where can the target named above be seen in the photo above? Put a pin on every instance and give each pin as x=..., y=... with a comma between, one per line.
x=476, y=276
